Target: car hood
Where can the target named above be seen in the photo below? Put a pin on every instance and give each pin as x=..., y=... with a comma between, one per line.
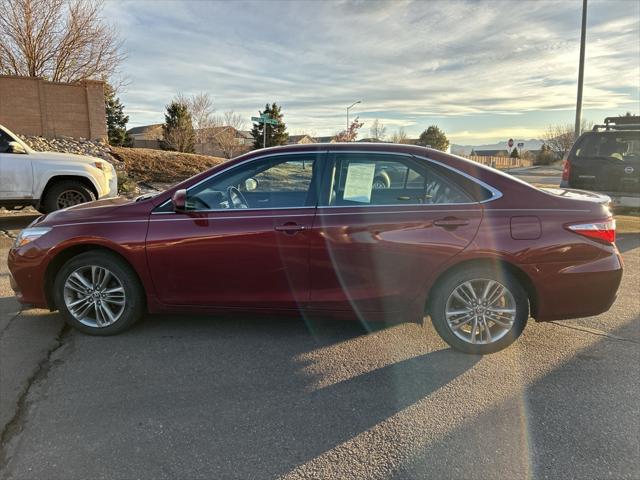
x=107, y=209
x=72, y=157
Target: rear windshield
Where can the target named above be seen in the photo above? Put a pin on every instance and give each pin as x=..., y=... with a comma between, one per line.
x=623, y=146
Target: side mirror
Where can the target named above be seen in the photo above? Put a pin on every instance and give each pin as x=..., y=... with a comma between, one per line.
x=179, y=200
x=15, y=147
x=250, y=184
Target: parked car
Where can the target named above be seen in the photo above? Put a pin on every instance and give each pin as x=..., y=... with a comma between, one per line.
x=301, y=228
x=607, y=160
x=49, y=181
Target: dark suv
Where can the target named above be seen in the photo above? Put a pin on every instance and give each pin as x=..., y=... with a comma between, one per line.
x=607, y=159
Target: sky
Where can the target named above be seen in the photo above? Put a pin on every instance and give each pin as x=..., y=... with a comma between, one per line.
x=483, y=71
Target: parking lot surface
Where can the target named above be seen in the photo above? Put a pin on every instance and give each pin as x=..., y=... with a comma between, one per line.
x=255, y=397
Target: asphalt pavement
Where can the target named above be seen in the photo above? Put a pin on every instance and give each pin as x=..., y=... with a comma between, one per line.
x=191, y=397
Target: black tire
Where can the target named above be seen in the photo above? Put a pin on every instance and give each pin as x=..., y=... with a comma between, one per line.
x=450, y=282
x=134, y=294
x=74, y=188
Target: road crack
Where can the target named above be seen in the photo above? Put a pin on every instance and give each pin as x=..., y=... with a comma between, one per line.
x=16, y=424
x=593, y=331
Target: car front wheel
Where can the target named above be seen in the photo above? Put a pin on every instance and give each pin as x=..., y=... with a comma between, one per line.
x=479, y=310
x=98, y=293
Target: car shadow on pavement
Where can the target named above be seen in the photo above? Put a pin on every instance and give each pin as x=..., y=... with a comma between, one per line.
x=627, y=241
x=579, y=420
x=202, y=397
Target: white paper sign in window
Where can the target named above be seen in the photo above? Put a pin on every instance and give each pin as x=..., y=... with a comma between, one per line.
x=359, y=182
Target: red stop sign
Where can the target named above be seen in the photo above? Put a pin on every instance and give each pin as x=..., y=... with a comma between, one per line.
x=510, y=142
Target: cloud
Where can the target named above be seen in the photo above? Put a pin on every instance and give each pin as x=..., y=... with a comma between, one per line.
x=463, y=64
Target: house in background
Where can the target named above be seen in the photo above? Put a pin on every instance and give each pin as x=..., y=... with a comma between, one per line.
x=490, y=153
x=146, y=136
x=301, y=139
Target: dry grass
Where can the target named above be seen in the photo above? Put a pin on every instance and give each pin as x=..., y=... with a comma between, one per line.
x=627, y=223
x=159, y=166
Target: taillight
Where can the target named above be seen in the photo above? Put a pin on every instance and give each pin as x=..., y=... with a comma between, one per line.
x=566, y=170
x=604, y=232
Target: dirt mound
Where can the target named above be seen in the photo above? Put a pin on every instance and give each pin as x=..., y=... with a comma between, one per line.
x=159, y=166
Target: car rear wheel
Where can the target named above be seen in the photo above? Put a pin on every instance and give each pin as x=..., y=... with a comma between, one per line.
x=66, y=193
x=98, y=294
x=479, y=310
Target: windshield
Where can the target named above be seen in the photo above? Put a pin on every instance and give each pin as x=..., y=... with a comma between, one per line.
x=623, y=146
x=15, y=138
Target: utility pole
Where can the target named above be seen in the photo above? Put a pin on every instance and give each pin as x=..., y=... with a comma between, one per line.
x=348, y=108
x=583, y=36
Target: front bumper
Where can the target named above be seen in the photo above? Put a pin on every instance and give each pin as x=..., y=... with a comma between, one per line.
x=26, y=275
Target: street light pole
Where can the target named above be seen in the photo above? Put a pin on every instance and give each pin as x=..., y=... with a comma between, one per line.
x=348, y=108
x=583, y=36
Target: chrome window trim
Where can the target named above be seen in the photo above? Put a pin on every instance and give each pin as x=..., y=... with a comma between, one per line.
x=248, y=160
x=495, y=193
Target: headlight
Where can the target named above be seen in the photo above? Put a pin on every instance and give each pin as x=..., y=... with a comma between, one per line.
x=30, y=234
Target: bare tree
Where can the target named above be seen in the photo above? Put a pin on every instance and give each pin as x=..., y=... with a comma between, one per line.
x=560, y=137
x=378, y=130
x=225, y=133
x=201, y=109
x=60, y=40
x=400, y=136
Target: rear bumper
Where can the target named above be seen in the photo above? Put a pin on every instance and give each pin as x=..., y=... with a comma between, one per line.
x=573, y=291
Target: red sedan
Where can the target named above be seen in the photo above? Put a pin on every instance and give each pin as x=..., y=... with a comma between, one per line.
x=312, y=229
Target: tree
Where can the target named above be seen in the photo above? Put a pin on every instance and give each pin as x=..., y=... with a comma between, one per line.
x=515, y=153
x=434, y=138
x=116, y=119
x=225, y=136
x=400, y=136
x=201, y=109
x=177, y=130
x=276, y=134
x=545, y=156
x=378, y=130
x=351, y=134
x=60, y=40
x=560, y=137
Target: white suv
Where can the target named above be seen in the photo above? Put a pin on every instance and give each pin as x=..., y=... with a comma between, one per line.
x=48, y=180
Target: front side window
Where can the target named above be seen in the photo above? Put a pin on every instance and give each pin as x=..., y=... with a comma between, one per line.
x=379, y=179
x=276, y=182
x=4, y=142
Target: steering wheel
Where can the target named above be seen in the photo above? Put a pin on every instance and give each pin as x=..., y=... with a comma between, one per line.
x=236, y=199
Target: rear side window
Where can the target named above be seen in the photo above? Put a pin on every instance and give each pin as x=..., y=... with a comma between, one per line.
x=622, y=146
x=378, y=179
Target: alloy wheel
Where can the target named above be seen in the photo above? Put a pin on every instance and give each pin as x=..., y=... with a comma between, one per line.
x=94, y=296
x=480, y=311
x=69, y=198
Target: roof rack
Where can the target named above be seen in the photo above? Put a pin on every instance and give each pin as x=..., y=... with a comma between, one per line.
x=631, y=122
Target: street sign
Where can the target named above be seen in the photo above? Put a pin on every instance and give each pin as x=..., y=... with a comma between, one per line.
x=263, y=119
x=266, y=120
x=510, y=142
x=521, y=144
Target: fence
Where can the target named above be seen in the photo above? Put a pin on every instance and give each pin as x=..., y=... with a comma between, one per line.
x=501, y=162
x=33, y=106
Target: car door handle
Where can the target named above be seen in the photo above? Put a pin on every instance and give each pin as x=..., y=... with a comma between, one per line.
x=451, y=222
x=290, y=227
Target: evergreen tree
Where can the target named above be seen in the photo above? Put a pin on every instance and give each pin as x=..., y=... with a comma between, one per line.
x=515, y=153
x=177, y=131
x=435, y=138
x=116, y=119
x=276, y=134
